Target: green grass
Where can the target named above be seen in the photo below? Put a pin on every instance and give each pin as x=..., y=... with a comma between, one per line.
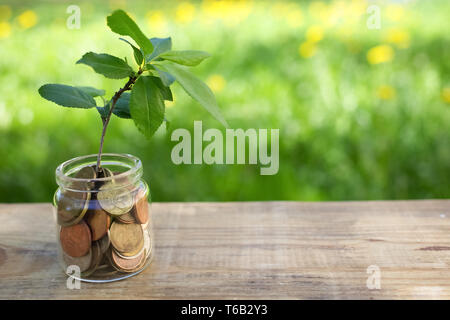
x=338, y=139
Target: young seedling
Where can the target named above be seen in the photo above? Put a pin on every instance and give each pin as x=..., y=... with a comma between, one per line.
x=158, y=67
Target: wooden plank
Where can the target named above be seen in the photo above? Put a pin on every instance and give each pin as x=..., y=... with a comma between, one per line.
x=286, y=250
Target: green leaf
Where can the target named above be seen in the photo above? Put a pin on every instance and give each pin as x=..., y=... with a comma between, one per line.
x=122, y=107
x=165, y=77
x=146, y=106
x=160, y=46
x=165, y=91
x=186, y=57
x=138, y=57
x=196, y=89
x=120, y=23
x=93, y=92
x=107, y=65
x=103, y=111
x=67, y=96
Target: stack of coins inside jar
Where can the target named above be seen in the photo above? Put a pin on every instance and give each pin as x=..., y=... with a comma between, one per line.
x=103, y=223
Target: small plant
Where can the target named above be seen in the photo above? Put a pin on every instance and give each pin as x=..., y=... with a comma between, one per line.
x=158, y=67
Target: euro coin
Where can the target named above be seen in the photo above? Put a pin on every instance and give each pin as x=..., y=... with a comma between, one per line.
x=104, y=243
x=127, y=265
x=95, y=261
x=128, y=239
x=99, y=222
x=83, y=262
x=72, y=206
x=130, y=257
x=85, y=173
x=76, y=239
x=126, y=218
x=140, y=209
x=114, y=199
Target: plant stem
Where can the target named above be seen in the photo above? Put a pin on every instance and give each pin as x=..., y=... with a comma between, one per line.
x=106, y=120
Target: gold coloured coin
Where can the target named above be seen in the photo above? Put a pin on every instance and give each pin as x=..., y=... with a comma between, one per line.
x=71, y=207
x=128, y=239
x=74, y=201
x=126, y=218
x=127, y=265
x=85, y=173
x=115, y=200
x=130, y=257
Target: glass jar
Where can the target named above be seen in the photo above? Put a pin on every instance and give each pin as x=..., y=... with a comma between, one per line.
x=104, y=228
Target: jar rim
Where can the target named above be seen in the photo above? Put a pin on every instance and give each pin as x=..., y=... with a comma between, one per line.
x=62, y=176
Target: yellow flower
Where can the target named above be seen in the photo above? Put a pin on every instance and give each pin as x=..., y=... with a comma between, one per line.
x=399, y=37
x=5, y=30
x=380, y=54
x=395, y=12
x=314, y=33
x=185, y=12
x=386, y=92
x=231, y=12
x=27, y=19
x=156, y=21
x=216, y=82
x=5, y=12
x=307, y=49
x=445, y=95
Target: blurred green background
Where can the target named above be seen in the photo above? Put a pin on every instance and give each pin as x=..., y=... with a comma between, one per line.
x=363, y=113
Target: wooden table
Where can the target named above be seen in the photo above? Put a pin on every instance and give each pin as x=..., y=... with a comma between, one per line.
x=252, y=250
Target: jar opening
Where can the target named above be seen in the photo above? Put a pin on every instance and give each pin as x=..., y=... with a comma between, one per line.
x=127, y=169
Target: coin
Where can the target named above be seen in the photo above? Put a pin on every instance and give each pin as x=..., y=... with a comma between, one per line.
x=126, y=218
x=130, y=257
x=76, y=239
x=128, y=239
x=148, y=245
x=99, y=222
x=127, y=265
x=141, y=265
x=72, y=206
x=95, y=261
x=114, y=200
x=140, y=209
x=83, y=262
x=144, y=226
x=86, y=173
x=104, y=243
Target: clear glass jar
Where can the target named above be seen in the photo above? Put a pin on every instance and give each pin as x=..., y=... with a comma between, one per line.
x=104, y=226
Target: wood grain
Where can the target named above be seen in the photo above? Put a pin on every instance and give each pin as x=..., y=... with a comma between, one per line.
x=254, y=250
